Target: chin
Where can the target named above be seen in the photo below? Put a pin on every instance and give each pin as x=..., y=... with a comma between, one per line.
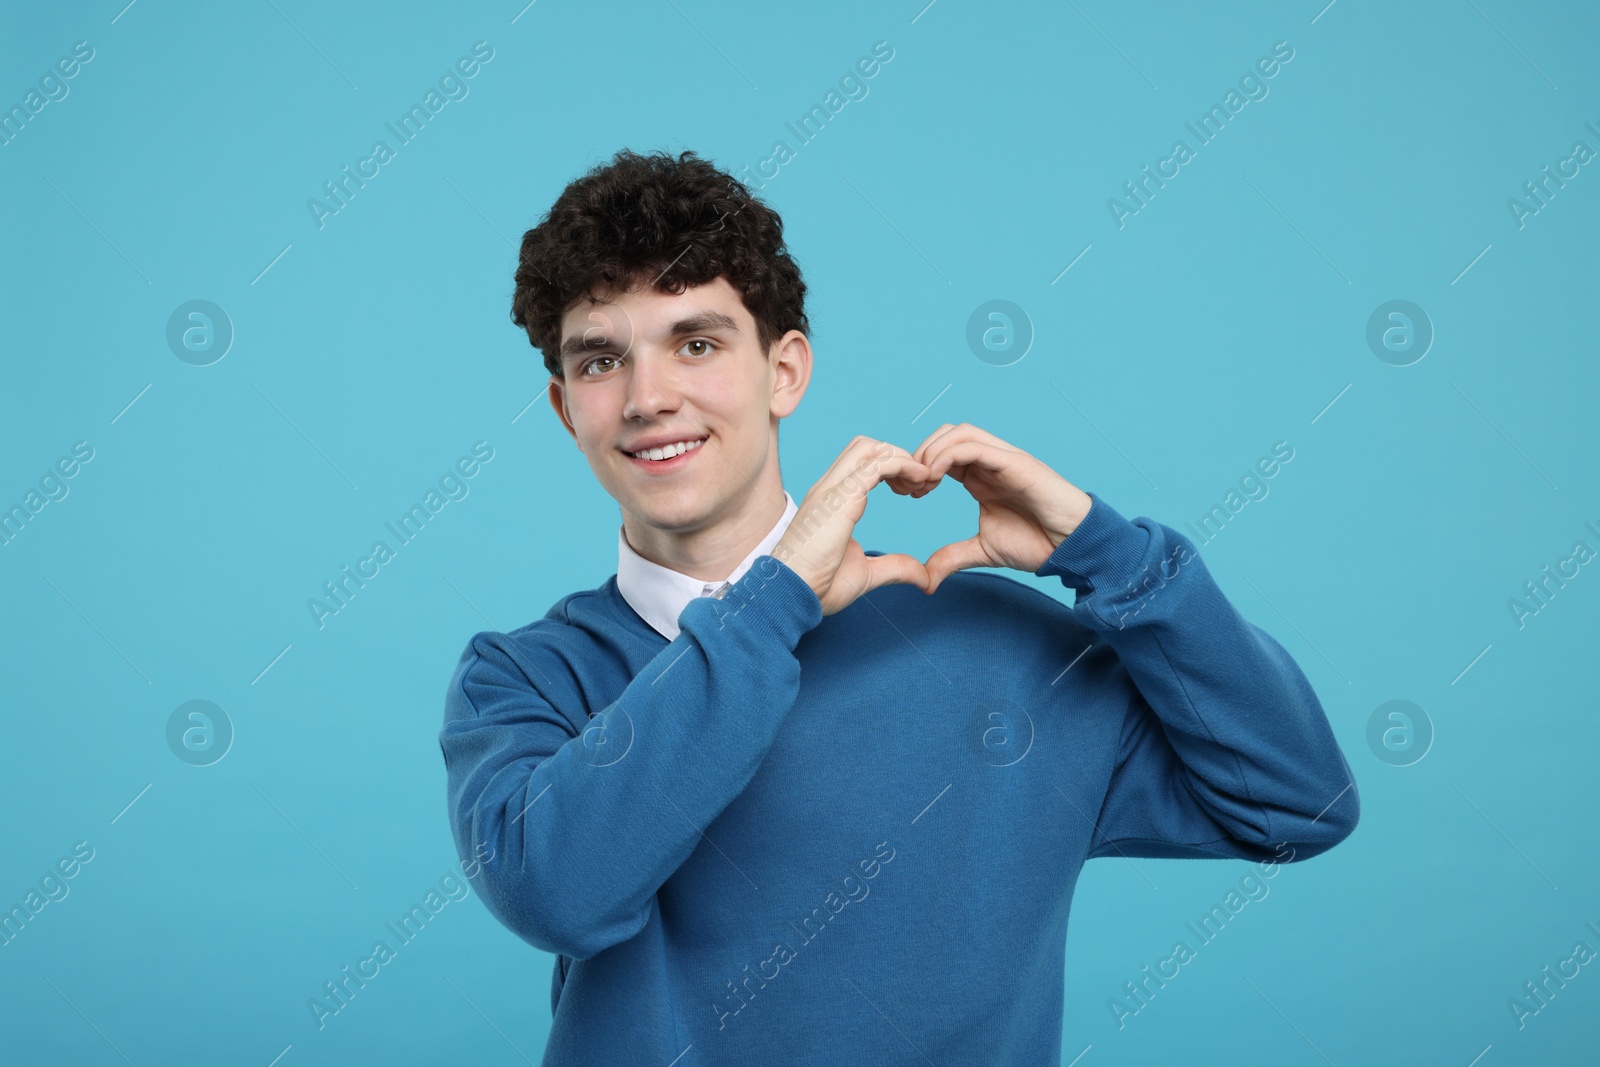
x=684, y=510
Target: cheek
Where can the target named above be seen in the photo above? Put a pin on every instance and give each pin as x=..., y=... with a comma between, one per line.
x=749, y=398
x=594, y=420
x=717, y=401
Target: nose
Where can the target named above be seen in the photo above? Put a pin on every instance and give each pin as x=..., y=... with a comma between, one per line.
x=652, y=385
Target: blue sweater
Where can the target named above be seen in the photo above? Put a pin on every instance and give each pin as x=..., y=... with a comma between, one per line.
x=783, y=838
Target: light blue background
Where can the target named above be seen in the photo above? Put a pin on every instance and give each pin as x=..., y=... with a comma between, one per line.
x=1228, y=314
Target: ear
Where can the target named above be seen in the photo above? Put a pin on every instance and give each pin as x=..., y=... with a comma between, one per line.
x=790, y=363
x=558, y=401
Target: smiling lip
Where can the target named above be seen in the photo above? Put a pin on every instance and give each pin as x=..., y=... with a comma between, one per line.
x=667, y=466
x=660, y=442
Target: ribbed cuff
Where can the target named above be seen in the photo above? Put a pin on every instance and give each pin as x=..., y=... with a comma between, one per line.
x=769, y=597
x=1104, y=553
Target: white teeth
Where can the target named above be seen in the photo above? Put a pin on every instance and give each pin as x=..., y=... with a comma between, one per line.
x=666, y=451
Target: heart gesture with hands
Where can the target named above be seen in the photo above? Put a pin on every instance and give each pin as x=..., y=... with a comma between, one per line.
x=1025, y=509
x=820, y=543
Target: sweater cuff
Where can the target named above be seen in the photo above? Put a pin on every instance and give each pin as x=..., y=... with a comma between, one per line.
x=1104, y=553
x=769, y=598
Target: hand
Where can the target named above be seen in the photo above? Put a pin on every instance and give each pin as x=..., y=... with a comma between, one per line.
x=819, y=544
x=1025, y=509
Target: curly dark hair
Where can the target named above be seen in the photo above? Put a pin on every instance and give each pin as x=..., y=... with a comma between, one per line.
x=680, y=222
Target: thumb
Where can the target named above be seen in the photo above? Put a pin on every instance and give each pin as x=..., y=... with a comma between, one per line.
x=895, y=567
x=952, y=558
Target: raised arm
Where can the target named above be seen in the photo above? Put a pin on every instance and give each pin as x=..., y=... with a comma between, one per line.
x=1225, y=750
x=579, y=835
x=573, y=839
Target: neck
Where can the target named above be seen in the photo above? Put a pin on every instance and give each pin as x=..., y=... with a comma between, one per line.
x=711, y=552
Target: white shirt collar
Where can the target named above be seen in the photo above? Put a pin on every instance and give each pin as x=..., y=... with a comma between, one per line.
x=659, y=593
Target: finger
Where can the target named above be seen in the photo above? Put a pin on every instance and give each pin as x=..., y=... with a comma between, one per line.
x=952, y=558
x=932, y=437
x=863, y=463
x=789, y=551
x=956, y=456
x=944, y=457
x=961, y=433
x=856, y=455
x=896, y=567
x=916, y=481
x=898, y=470
x=912, y=486
x=836, y=503
x=902, y=473
x=870, y=461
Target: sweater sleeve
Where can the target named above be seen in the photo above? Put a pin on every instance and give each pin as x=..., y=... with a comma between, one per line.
x=1225, y=750
x=580, y=820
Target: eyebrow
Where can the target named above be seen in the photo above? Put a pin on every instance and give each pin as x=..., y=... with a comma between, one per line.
x=696, y=322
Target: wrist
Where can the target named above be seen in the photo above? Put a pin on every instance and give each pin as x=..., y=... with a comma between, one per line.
x=1073, y=519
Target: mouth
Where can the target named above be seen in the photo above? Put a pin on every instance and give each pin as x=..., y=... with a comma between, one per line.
x=674, y=457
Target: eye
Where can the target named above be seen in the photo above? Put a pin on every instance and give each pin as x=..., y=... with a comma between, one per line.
x=585, y=371
x=708, y=346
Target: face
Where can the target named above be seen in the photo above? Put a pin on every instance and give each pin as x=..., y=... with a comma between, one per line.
x=644, y=367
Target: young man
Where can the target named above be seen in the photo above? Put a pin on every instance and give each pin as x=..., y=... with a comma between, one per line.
x=770, y=798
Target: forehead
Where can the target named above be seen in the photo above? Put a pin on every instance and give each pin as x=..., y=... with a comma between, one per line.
x=652, y=312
